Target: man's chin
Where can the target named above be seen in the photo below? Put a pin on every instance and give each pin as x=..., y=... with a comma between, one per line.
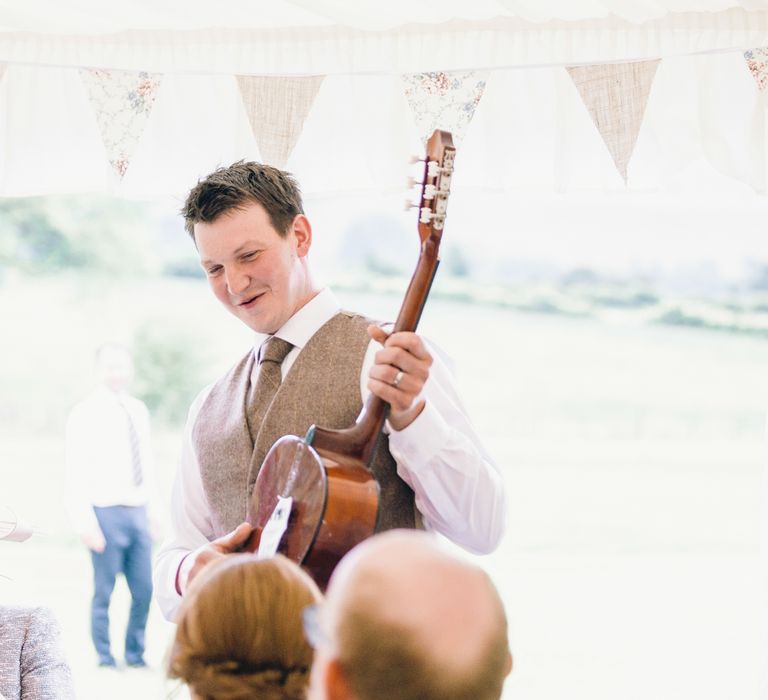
x=257, y=322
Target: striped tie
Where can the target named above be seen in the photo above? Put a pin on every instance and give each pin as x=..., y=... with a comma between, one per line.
x=133, y=441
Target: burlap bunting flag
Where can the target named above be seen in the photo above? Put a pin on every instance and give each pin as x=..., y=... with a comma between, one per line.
x=277, y=108
x=444, y=100
x=122, y=102
x=616, y=95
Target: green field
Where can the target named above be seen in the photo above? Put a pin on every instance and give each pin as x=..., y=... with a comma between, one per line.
x=633, y=456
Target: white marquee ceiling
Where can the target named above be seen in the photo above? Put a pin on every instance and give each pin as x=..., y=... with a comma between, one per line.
x=282, y=37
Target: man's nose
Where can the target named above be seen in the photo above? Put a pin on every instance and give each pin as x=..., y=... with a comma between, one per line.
x=237, y=281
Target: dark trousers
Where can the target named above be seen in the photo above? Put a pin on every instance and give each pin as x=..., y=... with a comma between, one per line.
x=128, y=551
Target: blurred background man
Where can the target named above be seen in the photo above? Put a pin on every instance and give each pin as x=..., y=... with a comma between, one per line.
x=110, y=487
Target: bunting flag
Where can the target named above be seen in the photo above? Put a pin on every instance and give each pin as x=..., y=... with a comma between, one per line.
x=757, y=62
x=122, y=102
x=444, y=100
x=615, y=95
x=277, y=108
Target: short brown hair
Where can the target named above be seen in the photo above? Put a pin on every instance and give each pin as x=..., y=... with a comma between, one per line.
x=239, y=631
x=236, y=186
x=384, y=659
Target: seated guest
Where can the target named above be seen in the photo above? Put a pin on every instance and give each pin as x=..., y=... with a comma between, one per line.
x=32, y=663
x=239, y=631
x=405, y=620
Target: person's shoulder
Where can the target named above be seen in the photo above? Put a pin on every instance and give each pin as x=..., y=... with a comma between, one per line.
x=42, y=663
x=198, y=401
x=359, y=321
x=357, y=316
x=42, y=621
x=203, y=394
x=32, y=621
x=136, y=406
x=86, y=403
x=236, y=367
x=14, y=615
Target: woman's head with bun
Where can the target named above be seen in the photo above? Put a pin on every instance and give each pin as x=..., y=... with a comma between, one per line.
x=239, y=632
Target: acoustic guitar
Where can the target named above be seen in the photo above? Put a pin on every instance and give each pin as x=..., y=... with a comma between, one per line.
x=315, y=497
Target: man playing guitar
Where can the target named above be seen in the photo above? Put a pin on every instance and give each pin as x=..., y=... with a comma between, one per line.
x=253, y=238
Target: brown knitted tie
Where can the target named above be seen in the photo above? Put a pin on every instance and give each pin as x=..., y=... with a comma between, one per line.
x=260, y=394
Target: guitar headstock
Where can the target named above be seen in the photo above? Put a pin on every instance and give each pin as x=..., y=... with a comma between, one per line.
x=436, y=184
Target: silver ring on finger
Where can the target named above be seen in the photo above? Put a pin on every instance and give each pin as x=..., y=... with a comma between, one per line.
x=398, y=378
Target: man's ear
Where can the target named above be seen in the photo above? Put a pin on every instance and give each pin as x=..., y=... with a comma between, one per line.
x=336, y=683
x=302, y=231
x=509, y=664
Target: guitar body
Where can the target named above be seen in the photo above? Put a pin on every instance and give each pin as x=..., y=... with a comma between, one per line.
x=335, y=504
x=315, y=498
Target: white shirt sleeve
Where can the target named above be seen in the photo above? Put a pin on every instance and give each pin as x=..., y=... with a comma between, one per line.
x=458, y=489
x=190, y=520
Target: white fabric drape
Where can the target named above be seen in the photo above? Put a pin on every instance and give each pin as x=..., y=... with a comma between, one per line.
x=408, y=41
x=108, y=16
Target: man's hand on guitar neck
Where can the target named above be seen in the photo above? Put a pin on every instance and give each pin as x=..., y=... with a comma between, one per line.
x=196, y=560
x=399, y=373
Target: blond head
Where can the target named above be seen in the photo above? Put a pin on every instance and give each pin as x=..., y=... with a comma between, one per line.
x=239, y=632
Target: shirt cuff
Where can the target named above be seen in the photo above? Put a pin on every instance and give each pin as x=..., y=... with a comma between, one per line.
x=419, y=442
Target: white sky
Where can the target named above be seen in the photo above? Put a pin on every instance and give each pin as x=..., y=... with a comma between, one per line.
x=705, y=221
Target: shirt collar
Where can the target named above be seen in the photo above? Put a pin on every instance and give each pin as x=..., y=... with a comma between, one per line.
x=300, y=327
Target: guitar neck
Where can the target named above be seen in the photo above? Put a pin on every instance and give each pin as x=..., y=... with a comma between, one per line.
x=359, y=441
x=418, y=289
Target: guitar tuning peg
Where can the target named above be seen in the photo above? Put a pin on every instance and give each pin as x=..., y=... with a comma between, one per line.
x=433, y=168
x=412, y=182
x=409, y=204
x=415, y=159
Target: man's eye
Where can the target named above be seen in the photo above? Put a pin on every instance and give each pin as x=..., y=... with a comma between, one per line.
x=213, y=270
x=250, y=256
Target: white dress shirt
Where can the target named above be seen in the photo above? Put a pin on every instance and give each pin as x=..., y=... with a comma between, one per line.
x=99, y=468
x=458, y=489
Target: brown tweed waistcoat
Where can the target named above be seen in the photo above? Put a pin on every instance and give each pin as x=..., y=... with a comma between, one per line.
x=322, y=387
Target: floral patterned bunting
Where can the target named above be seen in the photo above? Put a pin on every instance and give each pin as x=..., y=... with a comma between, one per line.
x=122, y=102
x=444, y=100
x=277, y=108
x=757, y=62
x=616, y=95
